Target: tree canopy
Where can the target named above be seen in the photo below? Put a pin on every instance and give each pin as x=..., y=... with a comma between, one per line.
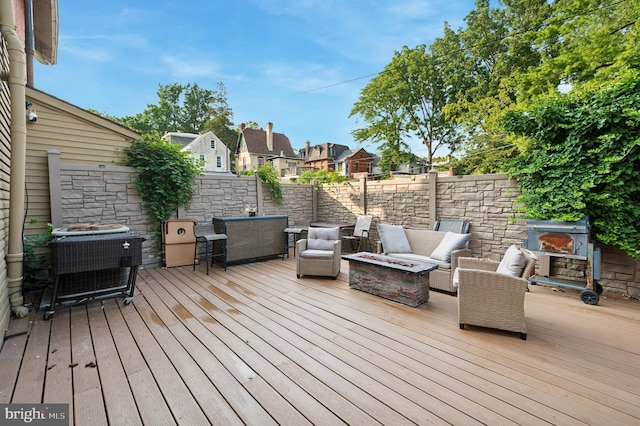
x=403, y=102
x=187, y=109
x=504, y=57
x=546, y=90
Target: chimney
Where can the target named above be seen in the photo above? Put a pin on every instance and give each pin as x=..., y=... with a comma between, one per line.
x=270, y=136
x=242, y=126
x=307, y=148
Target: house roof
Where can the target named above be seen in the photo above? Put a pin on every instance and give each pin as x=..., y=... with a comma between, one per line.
x=187, y=140
x=350, y=153
x=256, y=142
x=45, y=31
x=39, y=97
x=180, y=138
x=326, y=151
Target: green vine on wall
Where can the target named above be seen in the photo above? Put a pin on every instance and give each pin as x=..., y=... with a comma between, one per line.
x=269, y=176
x=165, y=178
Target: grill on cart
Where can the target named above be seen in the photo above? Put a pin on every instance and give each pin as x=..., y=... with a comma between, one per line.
x=571, y=240
x=92, y=264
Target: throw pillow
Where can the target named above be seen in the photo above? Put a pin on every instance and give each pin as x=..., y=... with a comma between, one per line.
x=513, y=262
x=393, y=238
x=451, y=241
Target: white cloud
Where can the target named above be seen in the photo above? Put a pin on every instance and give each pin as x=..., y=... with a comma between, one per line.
x=189, y=68
x=300, y=77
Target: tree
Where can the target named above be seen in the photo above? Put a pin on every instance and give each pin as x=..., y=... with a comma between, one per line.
x=406, y=101
x=584, y=40
x=478, y=64
x=583, y=158
x=491, y=156
x=252, y=125
x=185, y=109
x=221, y=122
x=321, y=176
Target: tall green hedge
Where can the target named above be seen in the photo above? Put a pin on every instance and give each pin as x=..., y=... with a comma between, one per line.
x=583, y=158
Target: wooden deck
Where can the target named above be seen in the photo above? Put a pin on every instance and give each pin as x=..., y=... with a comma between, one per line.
x=255, y=345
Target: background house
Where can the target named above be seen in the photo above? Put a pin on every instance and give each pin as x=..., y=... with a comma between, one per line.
x=324, y=156
x=257, y=146
x=354, y=163
x=289, y=167
x=333, y=157
x=213, y=154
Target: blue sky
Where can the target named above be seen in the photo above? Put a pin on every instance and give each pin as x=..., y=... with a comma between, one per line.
x=300, y=64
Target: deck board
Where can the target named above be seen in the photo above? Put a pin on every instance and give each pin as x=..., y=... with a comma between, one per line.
x=89, y=406
x=256, y=345
x=118, y=399
x=141, y=320
x=34, y=364
x=12, y=353
x=59, y=380
x=151, y=405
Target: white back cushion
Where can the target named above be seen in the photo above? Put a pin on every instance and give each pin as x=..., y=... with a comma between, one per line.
x=322, y=238
x=513, y=262
x=451, y=241
x=393, y=238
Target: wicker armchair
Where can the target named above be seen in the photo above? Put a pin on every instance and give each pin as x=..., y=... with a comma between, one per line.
x=319, y=254
x=490, y=299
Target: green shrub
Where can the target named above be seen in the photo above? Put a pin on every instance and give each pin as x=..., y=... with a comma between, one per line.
x=321, y=176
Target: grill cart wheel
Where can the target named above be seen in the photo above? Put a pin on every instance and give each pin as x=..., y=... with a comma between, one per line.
x=589, y=297
x=598, y=287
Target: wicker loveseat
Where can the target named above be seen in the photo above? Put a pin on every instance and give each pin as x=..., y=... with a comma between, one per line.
x=423, y=244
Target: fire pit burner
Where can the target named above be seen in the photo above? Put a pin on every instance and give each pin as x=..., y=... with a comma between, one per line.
x=390, y=277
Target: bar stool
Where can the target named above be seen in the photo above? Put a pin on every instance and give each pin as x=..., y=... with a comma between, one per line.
x=206, y=234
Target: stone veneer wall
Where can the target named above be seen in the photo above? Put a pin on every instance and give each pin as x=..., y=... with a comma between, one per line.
x=106, y=194
x=487, y=201
x=94, y=194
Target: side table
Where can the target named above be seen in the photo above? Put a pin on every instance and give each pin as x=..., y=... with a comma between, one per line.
x=296, y=232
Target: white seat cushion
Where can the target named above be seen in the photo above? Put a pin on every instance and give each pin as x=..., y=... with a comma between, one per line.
x=456, y=278
x=324, y=254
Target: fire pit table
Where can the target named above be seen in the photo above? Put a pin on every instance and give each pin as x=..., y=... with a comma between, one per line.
x=400, y=280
